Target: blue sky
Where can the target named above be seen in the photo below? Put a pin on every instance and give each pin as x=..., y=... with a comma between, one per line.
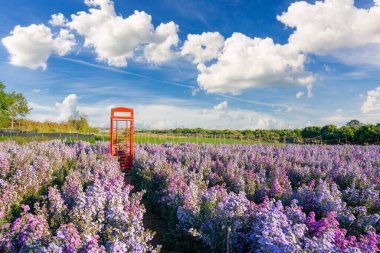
x=212, y=64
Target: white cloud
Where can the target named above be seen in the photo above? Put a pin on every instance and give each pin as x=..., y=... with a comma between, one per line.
x=332, y=27
x=116, y=39
x=58, y=20
x=113, y=37
x=160, y=116
x=204, y=47
x=164, y=39
x=165, y=117
x=367, y=55
x=300, y=94
x=335, y=119
x=68, y=108
x=245, y=62
x=372, y=103
x=31, y=46
x=331, y=24
x=63, y=42
x=222, y=106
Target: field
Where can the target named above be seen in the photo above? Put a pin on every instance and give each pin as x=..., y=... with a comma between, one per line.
x=263, y=198
x=148, y=138
x=71, y=197
x=58, y=197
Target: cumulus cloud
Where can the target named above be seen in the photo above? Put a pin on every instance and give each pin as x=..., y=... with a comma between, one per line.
x=167, y=117
x=323, y=27
x=221, y=106
x=203, y=47
x=31, y=46
x=68, y=108
x=58, y=20
x=225, y=65
x=164, y=39
x=331, y=24
x=116, y=39
x=372, y=103
x=113, y=37
x=245, y=62
x=367, y=55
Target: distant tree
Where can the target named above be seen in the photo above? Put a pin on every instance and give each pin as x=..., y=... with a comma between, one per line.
x=346, y=133
x=79, y=123
x=368, y=134
x=12, y=106
x=4, y=105
x=330, y=133
x=18, y=106
x=311, y=132
x=354, y=123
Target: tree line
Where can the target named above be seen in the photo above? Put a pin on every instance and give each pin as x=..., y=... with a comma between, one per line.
x=354, y=132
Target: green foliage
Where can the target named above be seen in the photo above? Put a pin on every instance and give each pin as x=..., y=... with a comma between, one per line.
x=368, y=134
x=347, y=132
x=80, y=124
x=4, y=107
x=354, y=123
x=18, y=106
x=353, y=132
x=12, y=105
x=56, y=127
x=311, y=132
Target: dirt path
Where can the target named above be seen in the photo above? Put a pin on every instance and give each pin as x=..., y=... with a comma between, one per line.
x=151, y=220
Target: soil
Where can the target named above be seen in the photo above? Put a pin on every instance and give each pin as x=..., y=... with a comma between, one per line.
x=152, y=221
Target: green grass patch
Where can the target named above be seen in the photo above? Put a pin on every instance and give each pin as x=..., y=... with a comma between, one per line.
x=23, y=139
x=143, y=138
x=158, y=139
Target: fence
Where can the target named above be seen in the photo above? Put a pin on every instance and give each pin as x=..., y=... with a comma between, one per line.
x=142, y=137
x=11, y=133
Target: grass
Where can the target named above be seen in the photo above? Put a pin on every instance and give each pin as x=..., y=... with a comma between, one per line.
x=157, y=139
x=22, y=139
x=143, y=138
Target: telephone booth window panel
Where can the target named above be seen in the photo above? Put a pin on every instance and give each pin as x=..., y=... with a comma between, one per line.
x=121, y=136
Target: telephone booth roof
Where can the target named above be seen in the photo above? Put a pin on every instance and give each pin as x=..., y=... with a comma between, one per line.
x=122, y=117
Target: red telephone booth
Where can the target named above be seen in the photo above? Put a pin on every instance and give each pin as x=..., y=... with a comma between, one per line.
x=121, y=136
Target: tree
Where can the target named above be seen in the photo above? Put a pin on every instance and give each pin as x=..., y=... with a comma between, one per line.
x=354, y=123
x=330, y=133
x=368, y=134
x=79, y=123
x=18, y=106
x=12, y=106
x=346, y=133
x=4, y=105
x=311, y=132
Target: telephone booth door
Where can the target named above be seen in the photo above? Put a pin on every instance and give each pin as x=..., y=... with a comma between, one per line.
x=121, y=136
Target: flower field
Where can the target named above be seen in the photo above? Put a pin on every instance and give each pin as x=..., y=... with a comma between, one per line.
x=255, y=198
x=58, y=197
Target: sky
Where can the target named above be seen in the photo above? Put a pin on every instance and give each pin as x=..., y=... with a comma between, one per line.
x=215, y=64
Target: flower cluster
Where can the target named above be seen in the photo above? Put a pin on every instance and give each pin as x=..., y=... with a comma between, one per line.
x=72, y=197
x=266, y=198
